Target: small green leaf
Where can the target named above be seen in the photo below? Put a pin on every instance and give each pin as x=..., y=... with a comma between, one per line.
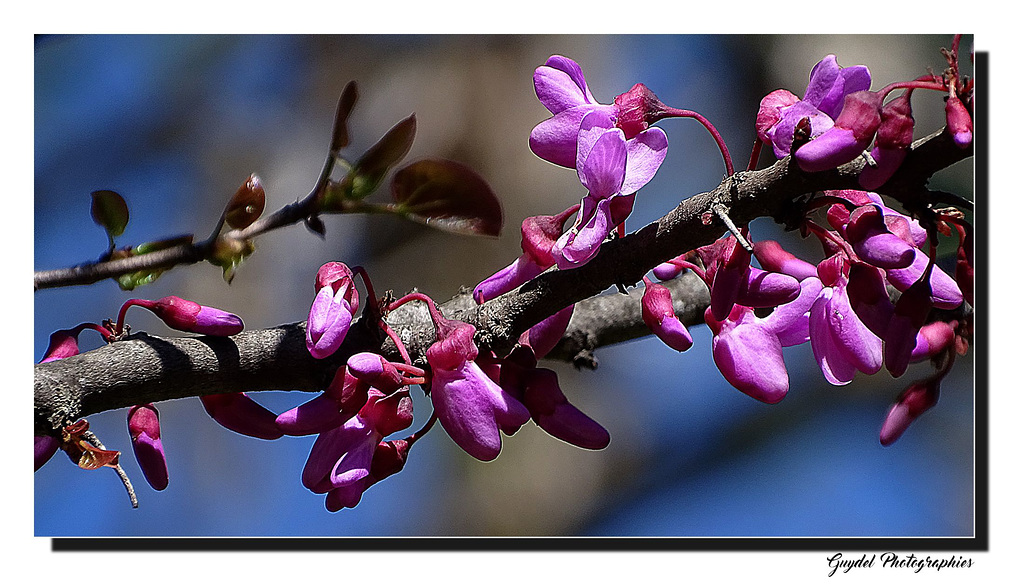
x=153, y=246
x=247, y=204
x=447, y=195
x=130, y=281
x=110, y=211
x=375, y=163
x=339, y=138
x=228, y=254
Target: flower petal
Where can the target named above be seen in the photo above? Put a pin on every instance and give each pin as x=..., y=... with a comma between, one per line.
x=750, y=358
x=575, y=249
x=836, y=369
x=602, y=168
x=560, y=84
x=645, y=154
x=554, y=139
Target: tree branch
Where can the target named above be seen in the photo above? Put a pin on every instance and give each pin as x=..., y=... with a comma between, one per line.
x=146, y=368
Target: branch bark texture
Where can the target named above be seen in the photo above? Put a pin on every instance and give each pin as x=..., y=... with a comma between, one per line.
x=147, y=368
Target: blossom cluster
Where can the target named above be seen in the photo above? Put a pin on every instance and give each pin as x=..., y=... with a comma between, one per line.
x=877, y=298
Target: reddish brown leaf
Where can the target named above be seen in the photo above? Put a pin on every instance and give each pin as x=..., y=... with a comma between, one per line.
x=247, y=204
x=447, y=195
x=381, y=157
x=339, y=138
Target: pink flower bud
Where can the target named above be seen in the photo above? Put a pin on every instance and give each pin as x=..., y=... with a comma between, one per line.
x=63, y=344
x=240, y=413
x=914, y=401
x=188, y=316
x=144, y=429
x=958, y=122
x=45, y=448
x=660, y=317
x=871, y=240
x=895, y=133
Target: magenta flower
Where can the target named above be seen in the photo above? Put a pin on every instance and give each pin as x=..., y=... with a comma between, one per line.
x=829, y=84
x=748, y=349
x=849, y=136
x=341, y=458
x=342, y=399
x=336, y=301
x=609, y=167
x=44, y=448
x=841, y=343
x=240, y=413
x=388, y=458
x=471, y=407
x=144, y=429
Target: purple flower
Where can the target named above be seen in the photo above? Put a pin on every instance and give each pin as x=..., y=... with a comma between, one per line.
x=471, y=407
x=829, y=84
x=561, y=88
x=609, y=167
x=388, y=458
x=63, y=344
x=342, y=458
x=871, y=239
x=333, y=307
x=144, y=429
x=748, y=349
x=849, y=136
x=240, y=413
x=840, y=341
x=732, y=280
x=538, y=238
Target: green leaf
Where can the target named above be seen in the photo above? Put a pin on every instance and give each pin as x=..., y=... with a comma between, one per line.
x=228, y=254
x=375, y=163
x=247, y=204
x=448, y=196
x=110, y=211
x=130, y=281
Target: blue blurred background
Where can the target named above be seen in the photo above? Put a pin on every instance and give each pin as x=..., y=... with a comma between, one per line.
x=176, y=123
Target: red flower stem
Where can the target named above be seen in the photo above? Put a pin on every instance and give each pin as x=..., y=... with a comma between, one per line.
x=106, y=334
x=915, y=84
x=426, y=428
x=395, y=339
x=359, y=270
x=409, y=369
x=755, y=154
x=435, y=315
x=710, y=128
x=119, y=327
x=828, y=235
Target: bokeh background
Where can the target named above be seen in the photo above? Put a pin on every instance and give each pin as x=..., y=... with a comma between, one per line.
x=176, y=123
